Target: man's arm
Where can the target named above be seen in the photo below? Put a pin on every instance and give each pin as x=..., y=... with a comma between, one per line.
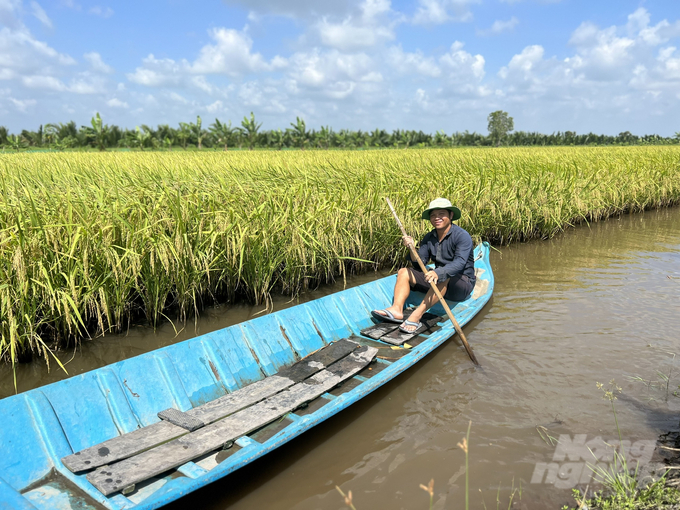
x=463, y=248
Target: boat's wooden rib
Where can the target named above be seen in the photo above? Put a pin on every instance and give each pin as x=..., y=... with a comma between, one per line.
x=113, y=478
x=142, y=439
x=45, y=425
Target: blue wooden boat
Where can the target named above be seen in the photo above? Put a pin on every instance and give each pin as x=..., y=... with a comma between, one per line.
x=94, y=440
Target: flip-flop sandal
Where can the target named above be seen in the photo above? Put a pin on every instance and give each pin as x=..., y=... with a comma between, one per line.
x=416, y=325
x=387, y=317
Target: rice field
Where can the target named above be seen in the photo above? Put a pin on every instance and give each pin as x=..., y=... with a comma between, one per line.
x=92, y=242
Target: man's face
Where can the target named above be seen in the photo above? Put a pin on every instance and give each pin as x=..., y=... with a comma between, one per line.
x=440, y=218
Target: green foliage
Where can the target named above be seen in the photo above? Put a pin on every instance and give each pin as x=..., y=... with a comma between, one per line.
x=500, y=124
x=222, y=135
x=92, y=241
x=250, y=128
x=654, y=497
x=299, y=133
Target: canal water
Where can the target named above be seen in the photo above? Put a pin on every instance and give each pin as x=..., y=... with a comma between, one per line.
x=597, y=303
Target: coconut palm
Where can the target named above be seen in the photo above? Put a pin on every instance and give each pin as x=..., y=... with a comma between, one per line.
x=223, y=133
x=183, y=134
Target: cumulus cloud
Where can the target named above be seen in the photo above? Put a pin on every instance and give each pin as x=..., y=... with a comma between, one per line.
x=97, y=64
x=158, y=72
x=349, y=67
x=412, y=62
x=231, y=54
x=437, y=12
x=371, y=25
x=331, y=68
x=117, y=103
x=625, y=71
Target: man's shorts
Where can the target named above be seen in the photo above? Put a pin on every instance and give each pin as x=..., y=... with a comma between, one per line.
x=458, y=288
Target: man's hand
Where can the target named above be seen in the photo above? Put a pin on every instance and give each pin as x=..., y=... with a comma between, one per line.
x=431, y=276
x=408, y=241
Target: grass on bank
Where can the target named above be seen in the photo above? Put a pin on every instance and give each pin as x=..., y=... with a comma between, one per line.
x=91, y=242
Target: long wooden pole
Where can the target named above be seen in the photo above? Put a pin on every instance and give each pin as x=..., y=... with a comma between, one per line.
x=416, y=257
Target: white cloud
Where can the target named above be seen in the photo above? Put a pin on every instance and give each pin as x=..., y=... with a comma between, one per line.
x=40, y=14
x=117, y=103
x=86, y=85
x=298, y=9
x=437, y=12
x=230, y=54
x=416, y=62
x=80, y=85
x=320, y=70
x=23, y=104
x=97, y=63
x=44, y=82
x=158, y=72
x=500, y=26
x=371, y=26
x=347, y=36
x=178, y=98
x=463, y=65
x=215, y=107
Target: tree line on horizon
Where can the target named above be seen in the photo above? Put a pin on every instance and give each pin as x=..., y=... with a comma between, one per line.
x=224, y=136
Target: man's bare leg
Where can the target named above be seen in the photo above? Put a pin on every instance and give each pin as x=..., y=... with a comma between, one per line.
x=401, y=291
x=429, y=301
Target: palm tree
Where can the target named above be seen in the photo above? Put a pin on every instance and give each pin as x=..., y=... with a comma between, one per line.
x=197, y=131
x=223, y=133
x=440, y=139
x=16, y=142
x=299, y=133
x=183, y=134
x=379, y=138
x=141, y=137
x=250, y=129
x=99, y=132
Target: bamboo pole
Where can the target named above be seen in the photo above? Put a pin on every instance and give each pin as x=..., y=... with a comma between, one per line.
x=416, y=257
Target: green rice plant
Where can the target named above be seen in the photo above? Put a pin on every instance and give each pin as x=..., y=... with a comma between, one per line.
x=93, y=242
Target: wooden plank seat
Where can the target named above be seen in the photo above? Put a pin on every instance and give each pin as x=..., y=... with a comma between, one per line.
x=113, y=478
x=389, y=332
x=137, y=441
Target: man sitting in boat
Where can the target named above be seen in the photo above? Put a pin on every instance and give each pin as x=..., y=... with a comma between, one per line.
x=452, y=250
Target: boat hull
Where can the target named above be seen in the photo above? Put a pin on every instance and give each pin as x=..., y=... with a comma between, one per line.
x=44, y=425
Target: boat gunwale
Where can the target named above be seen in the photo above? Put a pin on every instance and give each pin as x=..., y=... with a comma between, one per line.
x=253, y=449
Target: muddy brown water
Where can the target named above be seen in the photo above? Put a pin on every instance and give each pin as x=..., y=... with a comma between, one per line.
x=596, y=303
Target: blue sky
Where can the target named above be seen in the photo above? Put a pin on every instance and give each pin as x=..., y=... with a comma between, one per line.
x=554, y=65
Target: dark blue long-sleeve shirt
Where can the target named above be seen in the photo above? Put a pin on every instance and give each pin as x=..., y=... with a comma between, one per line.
x=454, y=255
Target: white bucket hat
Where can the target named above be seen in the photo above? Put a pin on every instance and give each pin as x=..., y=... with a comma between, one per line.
x=441, y=203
